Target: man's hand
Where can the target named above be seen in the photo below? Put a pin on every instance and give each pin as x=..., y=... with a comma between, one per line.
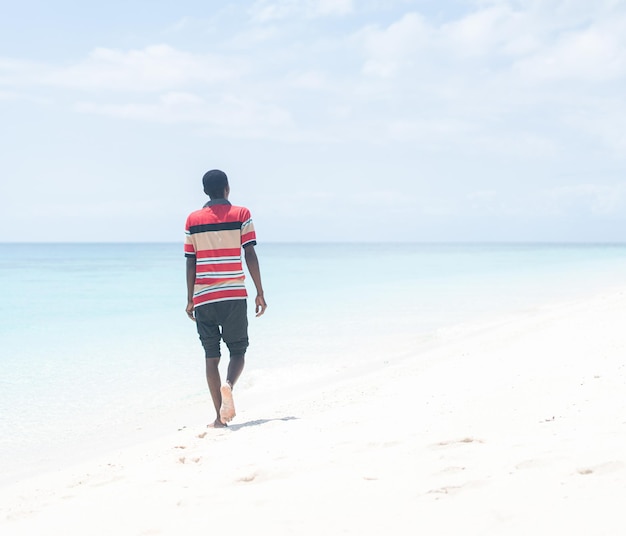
x=189, y=310
x=259, y=305
x=253, y=267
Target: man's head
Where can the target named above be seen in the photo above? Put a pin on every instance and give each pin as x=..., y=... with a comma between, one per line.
x=215, y=184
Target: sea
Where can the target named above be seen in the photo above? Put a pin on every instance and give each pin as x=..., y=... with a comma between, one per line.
x=96, y=349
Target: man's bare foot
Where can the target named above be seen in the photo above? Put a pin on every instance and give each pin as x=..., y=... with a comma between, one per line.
x=217, y=424
x=227, y=411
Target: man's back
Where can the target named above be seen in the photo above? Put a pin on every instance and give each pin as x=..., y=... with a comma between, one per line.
x=214, y=236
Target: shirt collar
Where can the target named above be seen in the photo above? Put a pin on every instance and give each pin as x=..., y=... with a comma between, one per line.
x=213, y=202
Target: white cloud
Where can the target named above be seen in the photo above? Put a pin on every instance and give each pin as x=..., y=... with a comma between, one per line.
x=470, y=82
x=479, y=80
x=264, y=11
x=152, y=69
x=535, y=42
x=392, y=48
x=596, y=53
x=230, y=115
x=494, y=31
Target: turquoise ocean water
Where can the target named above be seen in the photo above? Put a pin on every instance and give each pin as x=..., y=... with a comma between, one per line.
x=95, y=344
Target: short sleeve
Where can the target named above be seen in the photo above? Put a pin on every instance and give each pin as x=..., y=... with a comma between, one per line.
x=190, y=248
x=248, y=235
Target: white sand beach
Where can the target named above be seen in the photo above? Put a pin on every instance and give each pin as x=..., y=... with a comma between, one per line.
x=517, y=427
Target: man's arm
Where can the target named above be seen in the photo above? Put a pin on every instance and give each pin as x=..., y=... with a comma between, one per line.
x=252, y=262
x=191, y=280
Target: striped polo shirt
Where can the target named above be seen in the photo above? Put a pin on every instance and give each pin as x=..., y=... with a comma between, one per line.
x=215, y=235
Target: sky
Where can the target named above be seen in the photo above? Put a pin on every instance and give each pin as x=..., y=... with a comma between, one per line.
x=335, y=120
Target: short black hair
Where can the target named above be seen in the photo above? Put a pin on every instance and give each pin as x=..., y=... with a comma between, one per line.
x=215, y=183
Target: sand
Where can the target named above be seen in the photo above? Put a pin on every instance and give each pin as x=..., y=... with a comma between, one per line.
x=513, y=427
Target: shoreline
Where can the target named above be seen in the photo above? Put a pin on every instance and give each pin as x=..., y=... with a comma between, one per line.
x=74, y=381
x=514, y=428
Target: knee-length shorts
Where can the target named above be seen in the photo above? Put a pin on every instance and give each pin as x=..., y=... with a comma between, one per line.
x=227, y=321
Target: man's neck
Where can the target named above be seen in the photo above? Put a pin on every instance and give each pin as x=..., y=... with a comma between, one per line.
x=217, y=201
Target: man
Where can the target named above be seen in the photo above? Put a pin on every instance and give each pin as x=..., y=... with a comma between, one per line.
x=216, y=294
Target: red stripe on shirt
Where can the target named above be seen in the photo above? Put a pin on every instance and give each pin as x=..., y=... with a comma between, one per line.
x=220, y=295
x=209, y=253
x=218, y=267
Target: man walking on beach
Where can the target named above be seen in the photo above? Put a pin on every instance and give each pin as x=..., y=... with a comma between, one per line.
x=216, y=294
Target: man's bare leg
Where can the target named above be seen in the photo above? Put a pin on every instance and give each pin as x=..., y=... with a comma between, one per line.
x=215, y=382
x=235, y=368
x=227, y=408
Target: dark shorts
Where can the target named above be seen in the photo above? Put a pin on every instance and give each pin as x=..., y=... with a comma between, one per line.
x=232, y=317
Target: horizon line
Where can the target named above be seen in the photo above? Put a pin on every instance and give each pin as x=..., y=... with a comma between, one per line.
x=338, y=242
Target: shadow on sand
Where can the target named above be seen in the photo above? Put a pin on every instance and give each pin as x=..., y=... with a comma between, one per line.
x=235, y=427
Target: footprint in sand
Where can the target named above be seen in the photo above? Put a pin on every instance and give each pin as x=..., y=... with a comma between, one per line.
x=451, y=490
x=184, y=460
x=458, y=441
x=453, y=469
x=601, y=469
x=247, y=478
x=445, y=490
